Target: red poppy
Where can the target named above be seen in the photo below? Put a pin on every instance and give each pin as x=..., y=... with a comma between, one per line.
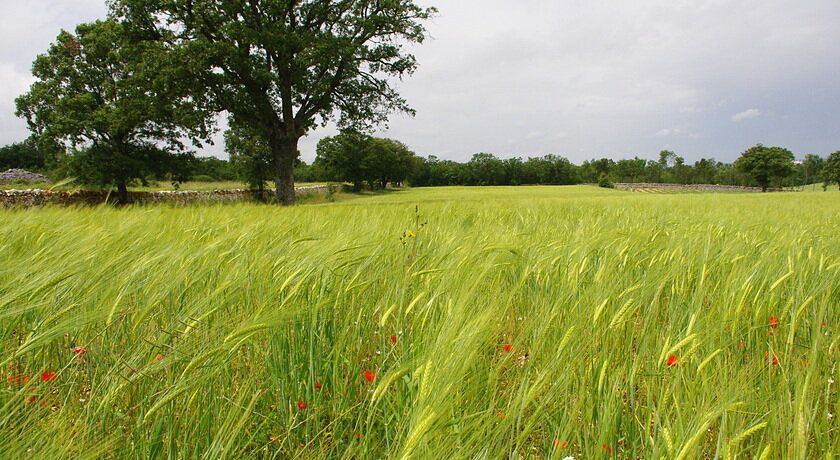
x=301, y=405
x=158, y=357
x=673, y=360
x=18, y=379
x=79, y=350
x=393, y=340
x=501, y=415
x=47, y=376
x=774, y=322
x=775, y=360
x=318, y=385
x=370, y=376
x=32, y=399
x=507, y=348
x=823, y=324
x=562, y=445
x=607, y=448
x=358, y=435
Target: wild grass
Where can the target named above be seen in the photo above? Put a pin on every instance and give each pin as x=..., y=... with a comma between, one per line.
x=533, y=322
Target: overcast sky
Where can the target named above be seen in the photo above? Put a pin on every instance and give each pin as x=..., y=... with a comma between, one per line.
x=579, y=78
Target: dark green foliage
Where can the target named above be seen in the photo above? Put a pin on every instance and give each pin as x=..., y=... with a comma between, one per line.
x=250, y=156
x=670, y=168
x=605, y=182
x=487, y=169
x=631, y=170
x=387, y=161
x=592, y=170
x=23, y=155
x=810, y=170
x=283, y=68
x=766, y=165
x=102, y=165
x=831, y=170
x=357, y=158
x=343, y=157
x=705, y=171
x=213, y=169
x=311, y=173
x=106, y=98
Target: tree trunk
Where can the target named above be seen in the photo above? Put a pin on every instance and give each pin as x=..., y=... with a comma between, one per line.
x=763, y=187
x=122, y=192
x=285, y=152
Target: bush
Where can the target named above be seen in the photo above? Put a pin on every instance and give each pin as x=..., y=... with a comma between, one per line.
x=203, y=178
x=605, y=182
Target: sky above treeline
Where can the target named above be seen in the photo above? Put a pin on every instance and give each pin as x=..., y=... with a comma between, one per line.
x=583, y=79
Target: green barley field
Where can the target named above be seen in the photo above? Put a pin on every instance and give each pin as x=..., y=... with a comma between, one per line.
x=530, y=322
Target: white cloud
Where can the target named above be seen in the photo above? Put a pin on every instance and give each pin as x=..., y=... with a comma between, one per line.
x=746, y=115
x=669, y=132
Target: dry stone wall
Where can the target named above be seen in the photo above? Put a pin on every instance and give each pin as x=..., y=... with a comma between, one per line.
x=690, y=187
x=11, y=176
x=38, y=197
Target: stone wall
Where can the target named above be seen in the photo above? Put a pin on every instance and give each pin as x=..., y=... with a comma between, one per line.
x=38, y=197
x=690, y=187
x=11, y=176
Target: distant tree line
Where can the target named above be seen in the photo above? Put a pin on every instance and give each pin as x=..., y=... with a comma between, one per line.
x=758, y=166
x=370, y=162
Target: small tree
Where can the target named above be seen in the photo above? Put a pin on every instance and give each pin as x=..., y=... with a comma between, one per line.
x=357, y=158
x=343, y=156
x=387, y=161
x=102, y=96
x=486, y=169
x=831, y=170
x=250, y=156
x=766, y=164
x=812, y=168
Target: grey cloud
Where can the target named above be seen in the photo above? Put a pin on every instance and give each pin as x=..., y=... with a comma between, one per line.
x=594, y=78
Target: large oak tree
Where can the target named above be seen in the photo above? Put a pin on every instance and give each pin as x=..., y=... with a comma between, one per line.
x=285, y=66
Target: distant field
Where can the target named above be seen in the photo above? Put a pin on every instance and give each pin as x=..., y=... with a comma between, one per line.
x=525, y=322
